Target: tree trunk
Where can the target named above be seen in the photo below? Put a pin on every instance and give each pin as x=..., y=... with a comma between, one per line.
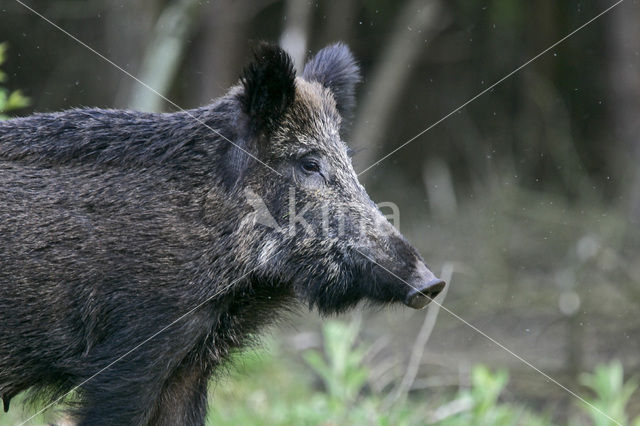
x=417, y=24
x=296, y=30
x=163, y=55
x=623, y=34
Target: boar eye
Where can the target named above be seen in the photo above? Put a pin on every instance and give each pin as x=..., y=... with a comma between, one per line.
x=310, y=166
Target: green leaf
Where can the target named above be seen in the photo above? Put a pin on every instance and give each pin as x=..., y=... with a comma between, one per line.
x=16, y=101
x=13, y=100
x=612, y=394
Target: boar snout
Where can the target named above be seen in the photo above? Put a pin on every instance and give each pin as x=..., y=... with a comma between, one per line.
x=425, y=286
x=418, y=298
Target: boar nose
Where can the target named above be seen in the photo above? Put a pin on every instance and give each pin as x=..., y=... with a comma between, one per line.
x=425, y=286
x=420, y=296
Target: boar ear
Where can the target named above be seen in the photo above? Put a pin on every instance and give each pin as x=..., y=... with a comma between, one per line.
x=269, y=86
x=335, y=68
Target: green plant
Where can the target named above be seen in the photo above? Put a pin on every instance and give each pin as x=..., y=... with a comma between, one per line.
x=341, y=370
x=344, y=377
x=487, y=387
x=480, y=405
x=273, y=390
x=9, y=101
x=612, y=394
x=268, y=387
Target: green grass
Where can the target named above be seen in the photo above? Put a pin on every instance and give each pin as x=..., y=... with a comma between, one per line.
x=265, y=386
x=332, y=389
x=268, y=387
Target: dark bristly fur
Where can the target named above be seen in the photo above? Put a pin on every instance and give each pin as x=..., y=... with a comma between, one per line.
x=335, y=68
x=269, y=83
x=114, y=223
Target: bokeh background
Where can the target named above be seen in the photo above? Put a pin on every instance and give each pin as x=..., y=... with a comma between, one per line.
x=528, y=198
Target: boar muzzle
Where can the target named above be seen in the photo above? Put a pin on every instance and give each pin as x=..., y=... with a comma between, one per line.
x=420, y=296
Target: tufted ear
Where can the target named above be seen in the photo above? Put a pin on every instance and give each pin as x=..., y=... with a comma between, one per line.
x=335, y=68
x=269, y=86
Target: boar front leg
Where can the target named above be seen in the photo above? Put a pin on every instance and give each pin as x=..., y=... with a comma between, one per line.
x=183, y=400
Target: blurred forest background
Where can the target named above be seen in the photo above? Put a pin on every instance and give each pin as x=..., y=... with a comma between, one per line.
x=528, y=198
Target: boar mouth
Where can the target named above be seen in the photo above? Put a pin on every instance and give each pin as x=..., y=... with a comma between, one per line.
x=420, y=297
